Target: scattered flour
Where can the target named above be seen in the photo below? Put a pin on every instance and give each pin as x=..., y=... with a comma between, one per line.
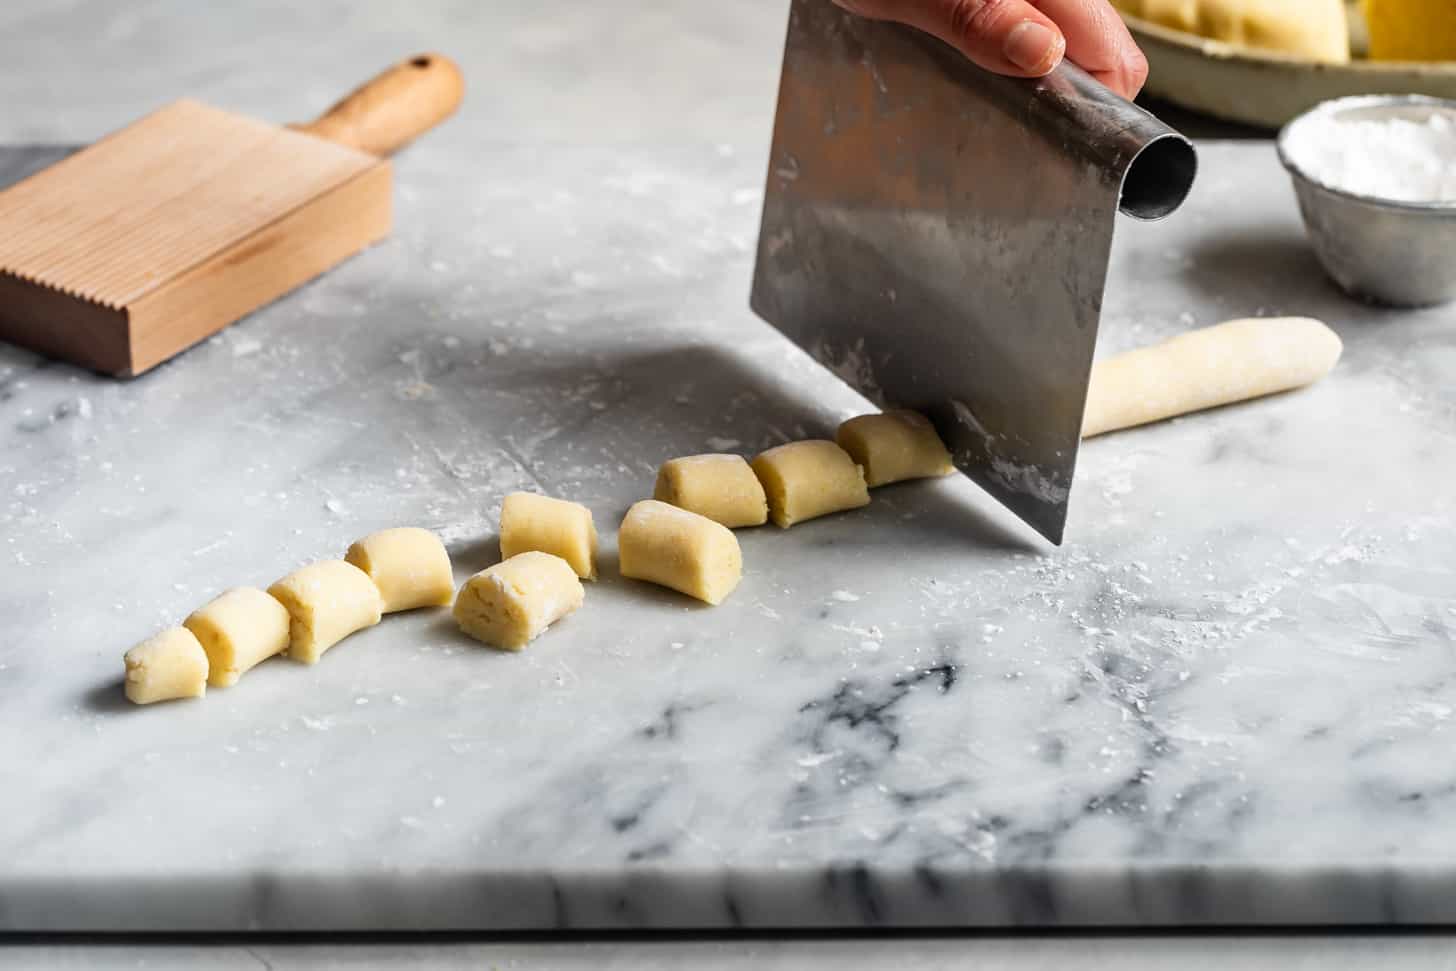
x=1388, y=158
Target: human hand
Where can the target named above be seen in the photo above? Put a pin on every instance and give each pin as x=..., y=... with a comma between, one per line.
x=1025, y=38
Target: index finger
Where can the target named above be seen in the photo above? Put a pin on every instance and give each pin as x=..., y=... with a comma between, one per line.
x=1099, y=43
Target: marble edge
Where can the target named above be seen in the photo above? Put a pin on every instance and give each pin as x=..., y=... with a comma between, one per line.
x=656, y=898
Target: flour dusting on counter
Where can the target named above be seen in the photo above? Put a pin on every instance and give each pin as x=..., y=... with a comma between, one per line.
x=996, y=731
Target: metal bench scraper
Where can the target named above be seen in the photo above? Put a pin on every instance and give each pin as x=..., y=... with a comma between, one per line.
x=939, y=237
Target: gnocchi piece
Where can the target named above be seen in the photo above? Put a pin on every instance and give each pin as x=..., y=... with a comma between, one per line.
x=676, y=548
x=565, y=529
x=408, y=565
x=804, y=480
x=326, y=602
x=238, y=630
x=168, y=665
x=894, y=446
x=510, y=604
x=721, y=487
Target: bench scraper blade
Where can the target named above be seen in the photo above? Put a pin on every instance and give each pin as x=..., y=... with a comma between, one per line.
x=939, y=237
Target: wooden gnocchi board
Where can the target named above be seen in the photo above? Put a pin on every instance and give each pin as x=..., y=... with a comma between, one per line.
x=170, y=229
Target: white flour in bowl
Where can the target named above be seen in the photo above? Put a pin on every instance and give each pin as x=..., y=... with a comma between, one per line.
x=1389, y=158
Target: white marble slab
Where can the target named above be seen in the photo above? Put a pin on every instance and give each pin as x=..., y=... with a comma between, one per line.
x=1226, y=700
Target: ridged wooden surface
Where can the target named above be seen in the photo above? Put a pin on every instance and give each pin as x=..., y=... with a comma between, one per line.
x=147, y=203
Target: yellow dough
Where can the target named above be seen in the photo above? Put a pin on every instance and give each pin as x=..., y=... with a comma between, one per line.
x=239, y=629
x=675, y=548
x=409, y=565
x=1206, y=368
x=168, y=665
x=808, y=479
x=894, y=446
x=1318, y=30
x=721, y=487
x=565, y=529
x=510, y=604
x=1412, y=30
x=326, y=602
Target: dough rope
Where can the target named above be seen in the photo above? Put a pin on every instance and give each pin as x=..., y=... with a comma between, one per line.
x=1206, y=368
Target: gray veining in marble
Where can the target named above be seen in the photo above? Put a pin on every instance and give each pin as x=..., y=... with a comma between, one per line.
x=1227, y=700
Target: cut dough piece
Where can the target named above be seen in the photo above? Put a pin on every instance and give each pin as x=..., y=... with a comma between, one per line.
x=808, y=479
x=168, y=665
x=239, y=629
x=1318, y=30
x=1206, y=368
x=565, y=529
x=676, y=548
x=508, y=605
x=721, y=487
x=894, y=446
x=409, y=565
x=326, y=602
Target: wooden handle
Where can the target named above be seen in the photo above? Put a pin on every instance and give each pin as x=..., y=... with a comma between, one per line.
x=396, y=107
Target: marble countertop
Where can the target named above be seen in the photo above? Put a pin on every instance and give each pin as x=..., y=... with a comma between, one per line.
x=1225, y=701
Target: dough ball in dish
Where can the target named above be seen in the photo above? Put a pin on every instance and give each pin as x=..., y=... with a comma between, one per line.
x=1317, y=30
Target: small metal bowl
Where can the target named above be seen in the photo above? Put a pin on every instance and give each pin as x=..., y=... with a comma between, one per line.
x=1389, y=251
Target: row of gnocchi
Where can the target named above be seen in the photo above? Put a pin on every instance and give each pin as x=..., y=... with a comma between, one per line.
x=681, y=538
x=301, y=616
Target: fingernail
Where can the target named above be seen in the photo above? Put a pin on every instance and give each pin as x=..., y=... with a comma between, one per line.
x=1033, y=47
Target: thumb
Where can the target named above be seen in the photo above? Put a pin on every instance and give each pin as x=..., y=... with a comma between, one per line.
x=1005, y=36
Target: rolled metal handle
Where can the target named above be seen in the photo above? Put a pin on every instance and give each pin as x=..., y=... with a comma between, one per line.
x=1153, y=165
